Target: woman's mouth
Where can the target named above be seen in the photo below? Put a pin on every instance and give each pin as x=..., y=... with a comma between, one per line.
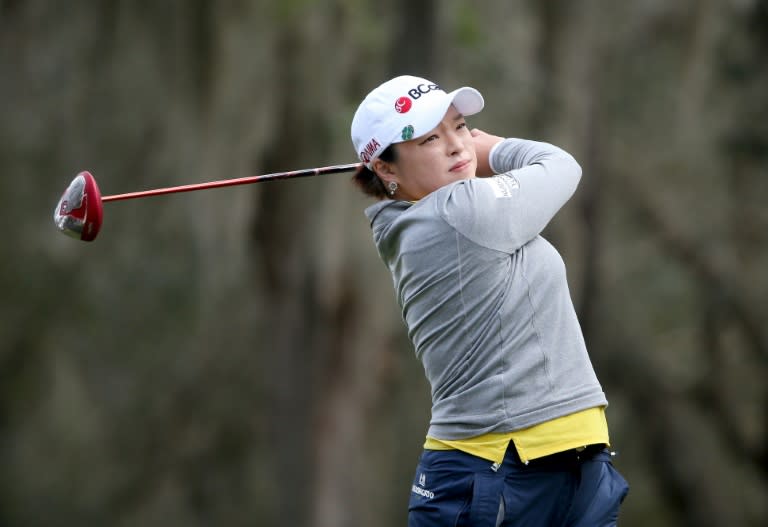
x=461, y=165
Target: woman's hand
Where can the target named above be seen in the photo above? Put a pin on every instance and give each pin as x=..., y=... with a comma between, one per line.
x=483, y=144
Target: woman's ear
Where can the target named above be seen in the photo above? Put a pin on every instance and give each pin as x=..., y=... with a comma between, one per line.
x=384, y=170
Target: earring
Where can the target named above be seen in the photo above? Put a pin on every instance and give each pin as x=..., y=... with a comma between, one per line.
x=392, y=188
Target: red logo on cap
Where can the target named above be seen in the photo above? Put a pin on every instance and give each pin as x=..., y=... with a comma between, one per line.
x=403, y=104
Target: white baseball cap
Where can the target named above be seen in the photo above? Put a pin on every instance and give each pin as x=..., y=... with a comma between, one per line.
x=403, y=108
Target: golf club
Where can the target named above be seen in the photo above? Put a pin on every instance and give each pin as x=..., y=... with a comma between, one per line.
x=79, y=211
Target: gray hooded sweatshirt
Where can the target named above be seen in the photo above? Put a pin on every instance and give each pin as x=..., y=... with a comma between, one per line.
x=485, y=297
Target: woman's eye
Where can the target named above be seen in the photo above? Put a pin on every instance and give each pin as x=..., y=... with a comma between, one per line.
x=429, y=139
x=461, y=125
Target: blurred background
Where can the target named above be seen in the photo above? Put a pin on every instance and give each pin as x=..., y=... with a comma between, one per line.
x=236, y=357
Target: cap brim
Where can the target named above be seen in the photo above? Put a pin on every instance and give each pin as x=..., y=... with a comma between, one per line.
x=467, y=101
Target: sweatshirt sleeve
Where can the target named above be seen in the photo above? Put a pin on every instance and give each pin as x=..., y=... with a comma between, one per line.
x=506, y=211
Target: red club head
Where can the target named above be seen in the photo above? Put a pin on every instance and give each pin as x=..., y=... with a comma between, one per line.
x=79, y=211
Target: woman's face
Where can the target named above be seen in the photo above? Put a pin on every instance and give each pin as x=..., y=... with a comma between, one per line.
x=441, y=156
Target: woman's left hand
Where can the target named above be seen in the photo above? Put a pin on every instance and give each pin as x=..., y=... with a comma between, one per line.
x=483, y=144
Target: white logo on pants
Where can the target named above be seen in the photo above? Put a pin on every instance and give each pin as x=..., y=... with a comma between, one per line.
x=421, y=491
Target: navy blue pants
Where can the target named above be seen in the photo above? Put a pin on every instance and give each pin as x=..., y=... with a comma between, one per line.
x=568, y=489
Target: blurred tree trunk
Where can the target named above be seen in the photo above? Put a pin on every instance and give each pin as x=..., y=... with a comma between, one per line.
x=413, y=45
x=356, y=362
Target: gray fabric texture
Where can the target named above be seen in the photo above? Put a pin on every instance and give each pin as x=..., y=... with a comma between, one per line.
x=485, y=298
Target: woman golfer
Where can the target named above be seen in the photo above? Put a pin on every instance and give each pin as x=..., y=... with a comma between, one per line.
x=518, y=434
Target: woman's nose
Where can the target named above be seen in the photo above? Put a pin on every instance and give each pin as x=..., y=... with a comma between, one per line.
x=454, y=143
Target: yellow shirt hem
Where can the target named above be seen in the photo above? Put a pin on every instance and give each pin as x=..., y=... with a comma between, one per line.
x=586, y=427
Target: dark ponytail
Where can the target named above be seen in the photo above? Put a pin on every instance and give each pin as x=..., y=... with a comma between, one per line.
x=367, y=180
